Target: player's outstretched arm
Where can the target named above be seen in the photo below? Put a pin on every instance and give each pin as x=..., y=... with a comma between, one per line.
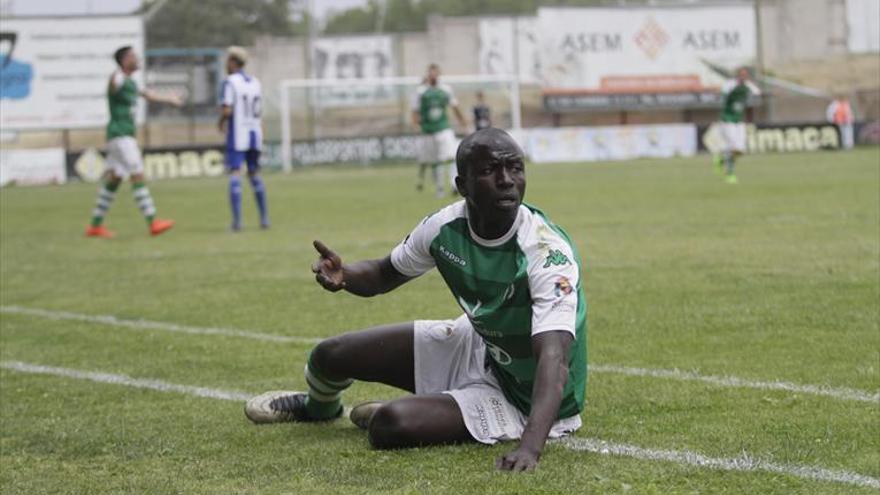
x=155, y=97
x=364, y=278
x=551, y=374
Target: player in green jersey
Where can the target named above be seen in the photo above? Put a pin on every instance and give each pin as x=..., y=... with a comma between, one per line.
x=512, y=367
x=735, y=96
x=123, y=155
x=437, y=146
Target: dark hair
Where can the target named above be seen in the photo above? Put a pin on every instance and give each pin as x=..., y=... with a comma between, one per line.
x=119, y=54
x=433, y=66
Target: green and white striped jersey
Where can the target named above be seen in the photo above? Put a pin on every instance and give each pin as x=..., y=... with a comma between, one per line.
x=431, y=102
x=512, y=288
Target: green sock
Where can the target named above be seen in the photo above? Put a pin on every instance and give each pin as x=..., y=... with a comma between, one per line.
x=102, y=204
x=325, y=396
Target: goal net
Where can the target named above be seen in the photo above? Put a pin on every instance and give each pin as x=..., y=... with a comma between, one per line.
x=369, y=120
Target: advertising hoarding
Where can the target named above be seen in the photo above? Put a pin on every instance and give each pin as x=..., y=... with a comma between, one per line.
x=352, y=58
x=54, y=72
x=642, y=57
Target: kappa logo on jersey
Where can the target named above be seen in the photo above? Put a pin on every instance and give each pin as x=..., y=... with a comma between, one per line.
x=458, y=260
x=556, y=258
x=563, y=287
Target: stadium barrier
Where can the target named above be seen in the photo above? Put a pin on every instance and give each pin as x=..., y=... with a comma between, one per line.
x=542, y=145
x=159, y=163
x=585, y=144
x=31, y=167
x=778, y=138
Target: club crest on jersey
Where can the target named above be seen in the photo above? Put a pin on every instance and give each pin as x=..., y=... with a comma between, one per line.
x=556, y=258
x=563, y=287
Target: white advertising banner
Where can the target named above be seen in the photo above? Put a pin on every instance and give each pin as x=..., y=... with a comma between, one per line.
x=54, y=71
x=583, y=144
x=643, y=50
x=509, y=45
x=32, y=167
x=352, y=58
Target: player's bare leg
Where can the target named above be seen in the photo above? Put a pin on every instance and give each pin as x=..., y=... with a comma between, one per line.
x=381, y=354
x=437, y=175
x=420, y=182
x=417, y=420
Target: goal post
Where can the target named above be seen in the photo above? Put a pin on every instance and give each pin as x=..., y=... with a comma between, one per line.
x=325, y=109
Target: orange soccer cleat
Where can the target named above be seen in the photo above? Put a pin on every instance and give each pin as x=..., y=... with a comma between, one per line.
x=158, y=226
x=99, y=231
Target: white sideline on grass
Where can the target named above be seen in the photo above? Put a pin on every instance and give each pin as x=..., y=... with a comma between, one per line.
x=840, y=393
x=736, y=382
x=743, y=463
x=154, y=325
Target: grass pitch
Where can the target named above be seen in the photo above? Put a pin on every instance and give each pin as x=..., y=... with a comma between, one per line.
x=777, y=278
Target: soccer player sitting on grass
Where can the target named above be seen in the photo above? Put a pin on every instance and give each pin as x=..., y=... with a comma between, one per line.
x=513, y=367
x=123, y=155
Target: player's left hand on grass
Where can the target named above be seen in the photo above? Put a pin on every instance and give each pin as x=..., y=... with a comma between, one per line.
x=519, y=460
x=328, y=269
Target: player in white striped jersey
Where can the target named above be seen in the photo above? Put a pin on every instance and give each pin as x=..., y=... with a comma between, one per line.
x=240, y=117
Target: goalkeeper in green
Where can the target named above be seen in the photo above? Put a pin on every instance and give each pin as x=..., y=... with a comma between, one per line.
x=735, y=94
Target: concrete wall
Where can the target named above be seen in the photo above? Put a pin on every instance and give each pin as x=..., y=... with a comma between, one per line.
x=795, y=30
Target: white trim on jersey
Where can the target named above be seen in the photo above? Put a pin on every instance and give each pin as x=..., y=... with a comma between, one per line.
x=243, y=93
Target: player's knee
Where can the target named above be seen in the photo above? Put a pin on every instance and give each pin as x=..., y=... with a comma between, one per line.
x=391, y=427
x=327, y=353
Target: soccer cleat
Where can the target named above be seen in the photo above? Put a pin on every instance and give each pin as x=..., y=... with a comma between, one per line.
x=99, y=231
x=731, y=179
x=265, y=225
x=280, y=406
x=158, y=226
x=362, y=413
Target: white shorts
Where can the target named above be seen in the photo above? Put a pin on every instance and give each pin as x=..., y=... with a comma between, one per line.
x=733, y=135
x=438, y=147
x=124, y=157
x=449, y=357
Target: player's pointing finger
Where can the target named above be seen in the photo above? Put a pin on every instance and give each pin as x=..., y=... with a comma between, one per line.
x=323, y=249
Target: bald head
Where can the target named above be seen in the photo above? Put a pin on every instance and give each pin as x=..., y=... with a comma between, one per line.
x=490, y=144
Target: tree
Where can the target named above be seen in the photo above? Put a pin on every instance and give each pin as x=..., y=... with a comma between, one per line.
x=219, y=23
